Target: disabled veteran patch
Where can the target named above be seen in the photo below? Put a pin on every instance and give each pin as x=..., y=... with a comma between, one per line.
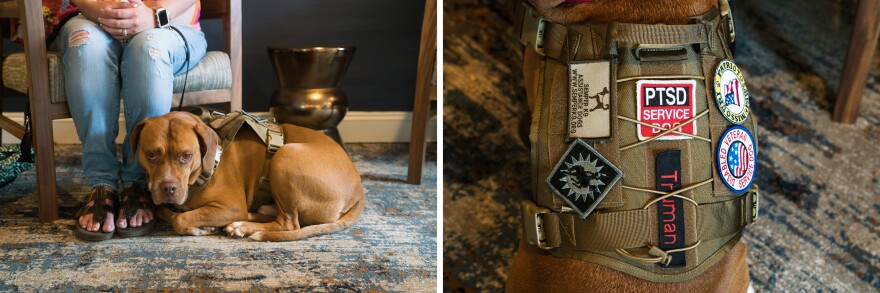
x=583, y=177
x=666, y=103
x=731, y=94
x=736, y=159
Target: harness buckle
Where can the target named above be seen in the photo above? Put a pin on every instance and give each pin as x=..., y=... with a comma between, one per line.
x=533, y=223
x=530, y=29
x=756, y=194
x=725, y=12
x=260, y=120
x=665, y=258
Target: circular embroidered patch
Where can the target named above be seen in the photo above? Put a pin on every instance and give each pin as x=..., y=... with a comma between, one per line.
x=731, y=94
x=736, y=158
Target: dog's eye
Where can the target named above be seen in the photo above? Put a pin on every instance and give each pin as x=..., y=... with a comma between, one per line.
x=185, y=157
x=151, y=155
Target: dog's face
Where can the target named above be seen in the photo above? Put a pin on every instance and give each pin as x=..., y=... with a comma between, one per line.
x=173, y=149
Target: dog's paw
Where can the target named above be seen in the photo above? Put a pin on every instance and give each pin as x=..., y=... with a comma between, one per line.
x=200, y=231
x=235, y=229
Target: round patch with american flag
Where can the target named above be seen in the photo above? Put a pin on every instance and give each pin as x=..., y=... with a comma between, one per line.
x=731, y=94
x=736, y=158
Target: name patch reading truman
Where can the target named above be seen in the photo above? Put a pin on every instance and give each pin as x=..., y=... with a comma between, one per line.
x=670, y=210
x=589, y=100
x=666, y=103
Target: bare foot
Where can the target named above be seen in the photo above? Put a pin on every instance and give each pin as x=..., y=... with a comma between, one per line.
x=136, y=198
x=88, y=221
x=140, y=217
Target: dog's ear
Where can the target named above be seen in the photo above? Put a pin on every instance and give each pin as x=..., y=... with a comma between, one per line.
x=208, y=140
x=135, y=138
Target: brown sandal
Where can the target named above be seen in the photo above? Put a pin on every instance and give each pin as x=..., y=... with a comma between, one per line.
x=98, y=209
x=136, y=197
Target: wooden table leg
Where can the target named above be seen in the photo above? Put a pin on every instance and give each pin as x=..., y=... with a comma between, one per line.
x=858, y=61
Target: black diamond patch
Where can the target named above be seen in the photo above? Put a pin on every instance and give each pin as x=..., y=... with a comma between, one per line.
x=583, y=177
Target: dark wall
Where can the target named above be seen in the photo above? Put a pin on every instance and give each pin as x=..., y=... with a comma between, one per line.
x=381, y=76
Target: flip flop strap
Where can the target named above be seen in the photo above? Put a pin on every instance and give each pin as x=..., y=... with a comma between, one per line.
x=135, y=200
x=98, y=211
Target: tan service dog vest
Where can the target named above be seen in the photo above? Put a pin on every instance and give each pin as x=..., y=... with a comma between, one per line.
x=642, y=144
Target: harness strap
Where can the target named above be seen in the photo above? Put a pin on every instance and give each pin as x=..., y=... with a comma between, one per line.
x=566, y=43
x=227, y=127
x=205, y=176
x=633, y=228
x=274, y=139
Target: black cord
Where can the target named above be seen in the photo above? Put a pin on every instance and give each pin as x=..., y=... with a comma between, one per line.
x=186, y=75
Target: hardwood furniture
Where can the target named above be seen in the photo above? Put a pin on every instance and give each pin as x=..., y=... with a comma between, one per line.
x=8, y=9
x=426, y=91
x=46, y=105
x=858, y=61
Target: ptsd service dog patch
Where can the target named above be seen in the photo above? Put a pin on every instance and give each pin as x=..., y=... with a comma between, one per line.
x=666, y=103
x=731, y=93
x=583, y=177
x=736, y=159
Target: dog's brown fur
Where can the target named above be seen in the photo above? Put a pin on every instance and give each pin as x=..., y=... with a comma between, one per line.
x=315, y=187
x=535, y=270
x=629, y=11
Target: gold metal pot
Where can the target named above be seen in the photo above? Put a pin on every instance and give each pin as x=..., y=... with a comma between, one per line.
x=309, y=95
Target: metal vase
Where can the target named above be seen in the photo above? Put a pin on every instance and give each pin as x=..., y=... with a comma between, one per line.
x=309, y=95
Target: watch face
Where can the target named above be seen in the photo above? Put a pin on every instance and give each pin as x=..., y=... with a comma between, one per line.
x=162, y=16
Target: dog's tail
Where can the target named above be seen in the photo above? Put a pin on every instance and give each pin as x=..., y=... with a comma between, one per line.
x=346, y=221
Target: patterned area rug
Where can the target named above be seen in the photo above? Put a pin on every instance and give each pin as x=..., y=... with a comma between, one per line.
x=820, y=223
x=392, y=248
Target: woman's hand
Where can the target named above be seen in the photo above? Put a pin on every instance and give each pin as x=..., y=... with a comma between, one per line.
x=125, y=20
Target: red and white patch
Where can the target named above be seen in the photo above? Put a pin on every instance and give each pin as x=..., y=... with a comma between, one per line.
x=666, y=103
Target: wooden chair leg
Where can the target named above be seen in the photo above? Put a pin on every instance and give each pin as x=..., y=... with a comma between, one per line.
x=44, y=149
x=41, y=120
x=858, y=61
x=427, y=57
x=418, y=140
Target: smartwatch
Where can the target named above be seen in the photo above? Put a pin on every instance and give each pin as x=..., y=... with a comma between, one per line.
x=162, y=17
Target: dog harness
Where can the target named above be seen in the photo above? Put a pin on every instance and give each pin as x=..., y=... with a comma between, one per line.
x=227, y=127
x=641, y=144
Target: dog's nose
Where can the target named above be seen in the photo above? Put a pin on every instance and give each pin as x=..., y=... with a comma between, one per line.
x=169, y=188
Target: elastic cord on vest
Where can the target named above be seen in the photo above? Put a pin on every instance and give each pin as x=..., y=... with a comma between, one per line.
x=186, y=64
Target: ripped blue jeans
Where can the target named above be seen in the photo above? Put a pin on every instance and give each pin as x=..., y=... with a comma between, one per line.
x=100, y=72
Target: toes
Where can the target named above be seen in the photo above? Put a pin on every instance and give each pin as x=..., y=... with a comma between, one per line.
x=148, y=216
x=85, y=220
x=234, y=229
x=122, y=223
x=136, y=219
x=94, y=226
x=203, y=231
x=108, y=223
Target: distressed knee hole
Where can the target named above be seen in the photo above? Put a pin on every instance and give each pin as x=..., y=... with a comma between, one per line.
x=154, y=53
x=78, y=38
x=150, y=37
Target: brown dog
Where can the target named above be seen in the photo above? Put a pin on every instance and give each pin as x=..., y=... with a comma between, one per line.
x=315, y=187
x=535, y=270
